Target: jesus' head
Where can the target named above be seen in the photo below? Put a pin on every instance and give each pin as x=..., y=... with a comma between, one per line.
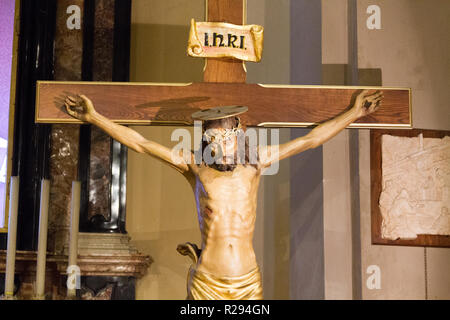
x=224, y=144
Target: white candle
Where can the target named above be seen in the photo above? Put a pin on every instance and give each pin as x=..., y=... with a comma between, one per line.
x=42, y=242
x=12, y=234
x=74, y=228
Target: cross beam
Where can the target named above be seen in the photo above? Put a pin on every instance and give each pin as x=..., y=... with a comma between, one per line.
x=173, y=104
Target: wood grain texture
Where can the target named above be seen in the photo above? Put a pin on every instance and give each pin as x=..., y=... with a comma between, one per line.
x=376, y=188
x=225, y=70
x=150, y=104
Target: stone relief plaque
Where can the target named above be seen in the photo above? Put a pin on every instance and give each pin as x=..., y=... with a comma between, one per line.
x=415, y=181
x=411, y=175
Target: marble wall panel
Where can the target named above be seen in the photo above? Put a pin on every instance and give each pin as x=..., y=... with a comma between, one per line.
x=100, y=174
x=100, y=153
x=64, y=138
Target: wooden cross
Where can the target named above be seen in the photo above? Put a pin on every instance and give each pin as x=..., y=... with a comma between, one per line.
x=224, y=84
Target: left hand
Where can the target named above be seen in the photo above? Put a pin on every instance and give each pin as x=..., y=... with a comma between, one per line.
x=80, y=107
x=367, y=103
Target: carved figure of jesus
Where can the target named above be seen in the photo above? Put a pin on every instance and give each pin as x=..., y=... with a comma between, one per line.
x=226, y=194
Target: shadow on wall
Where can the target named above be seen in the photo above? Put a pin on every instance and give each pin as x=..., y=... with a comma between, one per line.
x=336, y=74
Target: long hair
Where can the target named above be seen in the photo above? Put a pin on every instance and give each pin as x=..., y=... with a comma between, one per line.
x=228, y=123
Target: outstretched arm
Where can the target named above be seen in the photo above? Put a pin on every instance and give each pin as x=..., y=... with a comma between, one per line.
x=83, y=109
x=365, y=103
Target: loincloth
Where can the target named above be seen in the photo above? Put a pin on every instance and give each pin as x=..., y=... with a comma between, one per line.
x=205, y=286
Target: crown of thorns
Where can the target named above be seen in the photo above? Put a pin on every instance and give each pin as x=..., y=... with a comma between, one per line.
x=225, y=134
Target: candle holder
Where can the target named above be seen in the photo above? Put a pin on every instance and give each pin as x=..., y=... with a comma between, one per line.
x=8, y=297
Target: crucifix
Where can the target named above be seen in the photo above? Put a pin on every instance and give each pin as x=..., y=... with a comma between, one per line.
x=224, y=267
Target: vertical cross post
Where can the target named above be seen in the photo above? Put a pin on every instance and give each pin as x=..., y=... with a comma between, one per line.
x=225, y=70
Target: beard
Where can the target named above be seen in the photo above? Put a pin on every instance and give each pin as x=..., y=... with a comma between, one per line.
x=223, y=167
x=241, y=159
x=229, y=163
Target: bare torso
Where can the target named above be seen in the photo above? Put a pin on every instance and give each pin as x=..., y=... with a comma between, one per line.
x=226, y=208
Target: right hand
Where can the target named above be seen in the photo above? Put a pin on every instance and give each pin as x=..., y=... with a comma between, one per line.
x=367, y=102
x=80, y=107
